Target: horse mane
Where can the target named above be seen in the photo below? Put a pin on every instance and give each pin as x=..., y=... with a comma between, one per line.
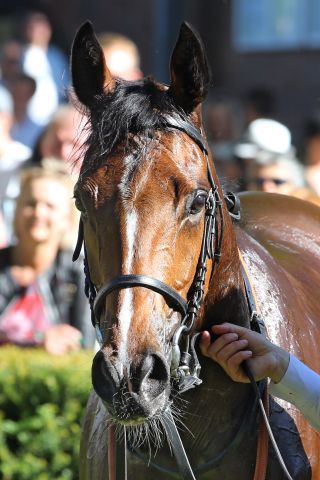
x=131, y=109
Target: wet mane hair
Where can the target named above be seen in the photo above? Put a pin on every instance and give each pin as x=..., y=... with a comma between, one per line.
x=132, y=109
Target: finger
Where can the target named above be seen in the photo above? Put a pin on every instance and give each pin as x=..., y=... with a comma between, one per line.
x=230, y=349
x=233, y=365
x=220, y=343
x=228, y=328
x=205, y=341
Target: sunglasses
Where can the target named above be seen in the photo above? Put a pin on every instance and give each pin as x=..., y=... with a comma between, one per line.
x=277, y=181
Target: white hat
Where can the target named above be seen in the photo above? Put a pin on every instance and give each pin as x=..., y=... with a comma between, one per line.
x=6, y=103
x=265, y=138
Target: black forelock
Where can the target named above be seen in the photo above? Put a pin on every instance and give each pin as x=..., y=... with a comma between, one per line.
x=131, y=109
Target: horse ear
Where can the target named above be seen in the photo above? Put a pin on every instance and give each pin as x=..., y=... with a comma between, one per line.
x=190, y=74
x=90, y=74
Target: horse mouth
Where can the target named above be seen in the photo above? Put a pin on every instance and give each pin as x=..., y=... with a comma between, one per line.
x=133, y=422
x=129, y=409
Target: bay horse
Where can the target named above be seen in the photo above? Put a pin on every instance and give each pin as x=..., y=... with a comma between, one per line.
x=161, y=247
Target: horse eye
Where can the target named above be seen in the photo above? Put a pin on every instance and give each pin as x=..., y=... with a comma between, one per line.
x=198, y=203
x=79, y=205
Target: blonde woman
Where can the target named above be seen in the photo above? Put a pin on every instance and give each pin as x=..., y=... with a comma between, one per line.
x=41, y=291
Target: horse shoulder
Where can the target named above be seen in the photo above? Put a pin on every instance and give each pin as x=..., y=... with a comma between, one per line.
x=279, y=238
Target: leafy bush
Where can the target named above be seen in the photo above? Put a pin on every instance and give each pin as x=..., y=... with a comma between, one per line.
x=42, y=401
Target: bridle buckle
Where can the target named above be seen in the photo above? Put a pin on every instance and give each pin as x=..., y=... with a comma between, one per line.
x=185, y=366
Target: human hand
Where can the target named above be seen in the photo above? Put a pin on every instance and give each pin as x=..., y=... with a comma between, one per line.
x=60, y=339
x=236, y=344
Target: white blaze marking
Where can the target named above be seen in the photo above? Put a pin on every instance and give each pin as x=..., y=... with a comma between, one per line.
x=126, y=309
x=131, y=221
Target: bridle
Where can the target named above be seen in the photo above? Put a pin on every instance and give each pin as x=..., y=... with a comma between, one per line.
x=185, y=367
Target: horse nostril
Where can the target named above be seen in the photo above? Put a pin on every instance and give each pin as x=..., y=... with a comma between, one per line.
x=151, y=376
x=159, y=370
x=105, y=378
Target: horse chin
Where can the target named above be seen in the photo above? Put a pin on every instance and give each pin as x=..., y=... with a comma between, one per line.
x=131, y=411
x=134, y=422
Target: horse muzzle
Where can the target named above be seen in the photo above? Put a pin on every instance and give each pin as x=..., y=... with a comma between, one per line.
x=135, y=394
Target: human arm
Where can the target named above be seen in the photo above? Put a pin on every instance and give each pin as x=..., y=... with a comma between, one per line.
x=236, y=344
x=300, y=386
x=291, y=380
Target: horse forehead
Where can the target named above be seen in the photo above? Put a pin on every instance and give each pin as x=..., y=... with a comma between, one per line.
x=172, y=155
x=169, y=155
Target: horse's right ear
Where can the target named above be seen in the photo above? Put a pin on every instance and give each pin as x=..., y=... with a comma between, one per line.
x=90, y=74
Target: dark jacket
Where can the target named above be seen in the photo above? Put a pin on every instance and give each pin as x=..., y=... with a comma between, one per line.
x=62, y=290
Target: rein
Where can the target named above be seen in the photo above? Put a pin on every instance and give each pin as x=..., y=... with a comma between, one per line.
x=257, y=324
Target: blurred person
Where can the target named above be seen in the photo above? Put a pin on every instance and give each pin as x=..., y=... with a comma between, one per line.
x=12, y=156
x=24, y=130
x=41, y=290
x=69, y=238
x=312, y=154
x=47, y=64
x=10, y=61
x=271, y=162
x=284, y=176
x=280, y=175
x=122, y=55
x=3, y=232
x=63, y=138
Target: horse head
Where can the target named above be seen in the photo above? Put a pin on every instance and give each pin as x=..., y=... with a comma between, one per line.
x=145, y=190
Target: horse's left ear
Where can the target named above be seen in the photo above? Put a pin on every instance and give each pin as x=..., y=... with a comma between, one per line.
x=90, y=75
x=190, y=75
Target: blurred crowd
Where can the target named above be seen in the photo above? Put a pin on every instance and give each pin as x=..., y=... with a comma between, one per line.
x=253, y=150
x=42, y=300
x=41, y=134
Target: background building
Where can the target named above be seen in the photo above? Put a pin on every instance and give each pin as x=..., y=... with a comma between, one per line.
x=266, y=43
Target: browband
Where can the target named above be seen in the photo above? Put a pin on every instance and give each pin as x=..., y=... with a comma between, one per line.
x=189, y=129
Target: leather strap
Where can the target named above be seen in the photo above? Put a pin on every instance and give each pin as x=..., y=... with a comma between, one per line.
x=117, y=454
x=263, y=439
x=112, y=453
x=172, y=297
x=177, y=446
x=188, y=128
x=79, y=243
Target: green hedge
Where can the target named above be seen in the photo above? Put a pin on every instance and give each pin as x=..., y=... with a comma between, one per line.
x=42, y=401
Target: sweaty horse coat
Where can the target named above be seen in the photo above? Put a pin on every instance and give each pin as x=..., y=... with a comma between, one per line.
x=280, y=240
